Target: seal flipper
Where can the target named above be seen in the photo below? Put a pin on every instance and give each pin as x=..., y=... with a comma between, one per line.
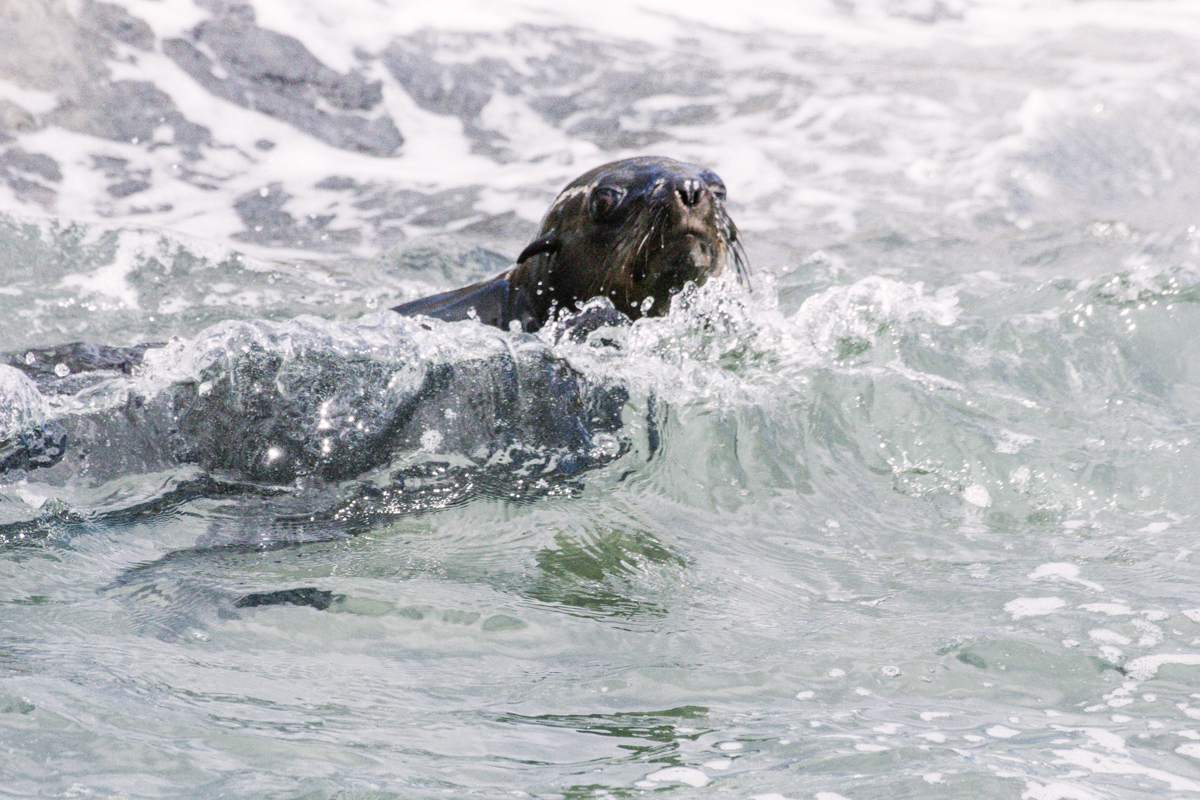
x=494, y=301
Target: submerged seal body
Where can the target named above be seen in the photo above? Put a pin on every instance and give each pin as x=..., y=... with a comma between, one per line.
x=634, y=231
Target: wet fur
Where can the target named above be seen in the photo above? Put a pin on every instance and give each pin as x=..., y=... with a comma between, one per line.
x=657, y=243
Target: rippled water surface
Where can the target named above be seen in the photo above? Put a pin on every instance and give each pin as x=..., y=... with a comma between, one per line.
x=914, y=515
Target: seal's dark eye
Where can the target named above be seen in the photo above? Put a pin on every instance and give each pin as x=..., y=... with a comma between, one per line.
x=604, y=201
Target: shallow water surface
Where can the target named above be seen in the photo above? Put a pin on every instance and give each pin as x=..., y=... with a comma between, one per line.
x=913, y=515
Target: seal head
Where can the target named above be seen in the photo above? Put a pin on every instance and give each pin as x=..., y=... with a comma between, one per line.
x=635, y=231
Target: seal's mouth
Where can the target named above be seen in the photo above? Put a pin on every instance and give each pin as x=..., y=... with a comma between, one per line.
x=691, y=256
x=701, y=252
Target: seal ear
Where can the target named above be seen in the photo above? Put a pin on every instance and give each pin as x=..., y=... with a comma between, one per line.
x=550, y=243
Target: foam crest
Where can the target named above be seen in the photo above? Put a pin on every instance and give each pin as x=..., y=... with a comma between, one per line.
x=22, y=406
x=849, y=319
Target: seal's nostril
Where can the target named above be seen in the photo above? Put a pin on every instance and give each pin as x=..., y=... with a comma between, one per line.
x=689, y=192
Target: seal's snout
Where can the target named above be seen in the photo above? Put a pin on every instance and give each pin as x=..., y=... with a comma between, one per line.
x=689, y=191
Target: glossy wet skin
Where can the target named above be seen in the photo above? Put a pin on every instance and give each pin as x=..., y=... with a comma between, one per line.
x=636, y=231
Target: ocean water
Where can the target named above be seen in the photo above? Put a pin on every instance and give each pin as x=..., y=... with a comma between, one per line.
x=913, y=515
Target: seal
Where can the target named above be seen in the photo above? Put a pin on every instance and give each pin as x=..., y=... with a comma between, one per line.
x=635, y=231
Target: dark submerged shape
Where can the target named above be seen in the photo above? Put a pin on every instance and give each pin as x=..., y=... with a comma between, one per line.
x=635, y=231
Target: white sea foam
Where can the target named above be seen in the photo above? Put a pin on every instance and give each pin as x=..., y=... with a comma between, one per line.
x=857, y=313
x=1063, y=571
x=688, y=776
x=1101, y=764
x=915, y=161
x=1056, y=790
x=111, y=280
x=1110, y=609
x=1145, y=667
x=30, y=100
x=1033, y=606
x=21, y=404
x=977, y=495
x=1107, y=636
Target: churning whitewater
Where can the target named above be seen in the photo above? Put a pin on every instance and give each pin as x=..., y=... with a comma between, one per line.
x=911, y=512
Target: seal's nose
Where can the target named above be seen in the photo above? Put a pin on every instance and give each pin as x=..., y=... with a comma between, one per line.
x=689, y=190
